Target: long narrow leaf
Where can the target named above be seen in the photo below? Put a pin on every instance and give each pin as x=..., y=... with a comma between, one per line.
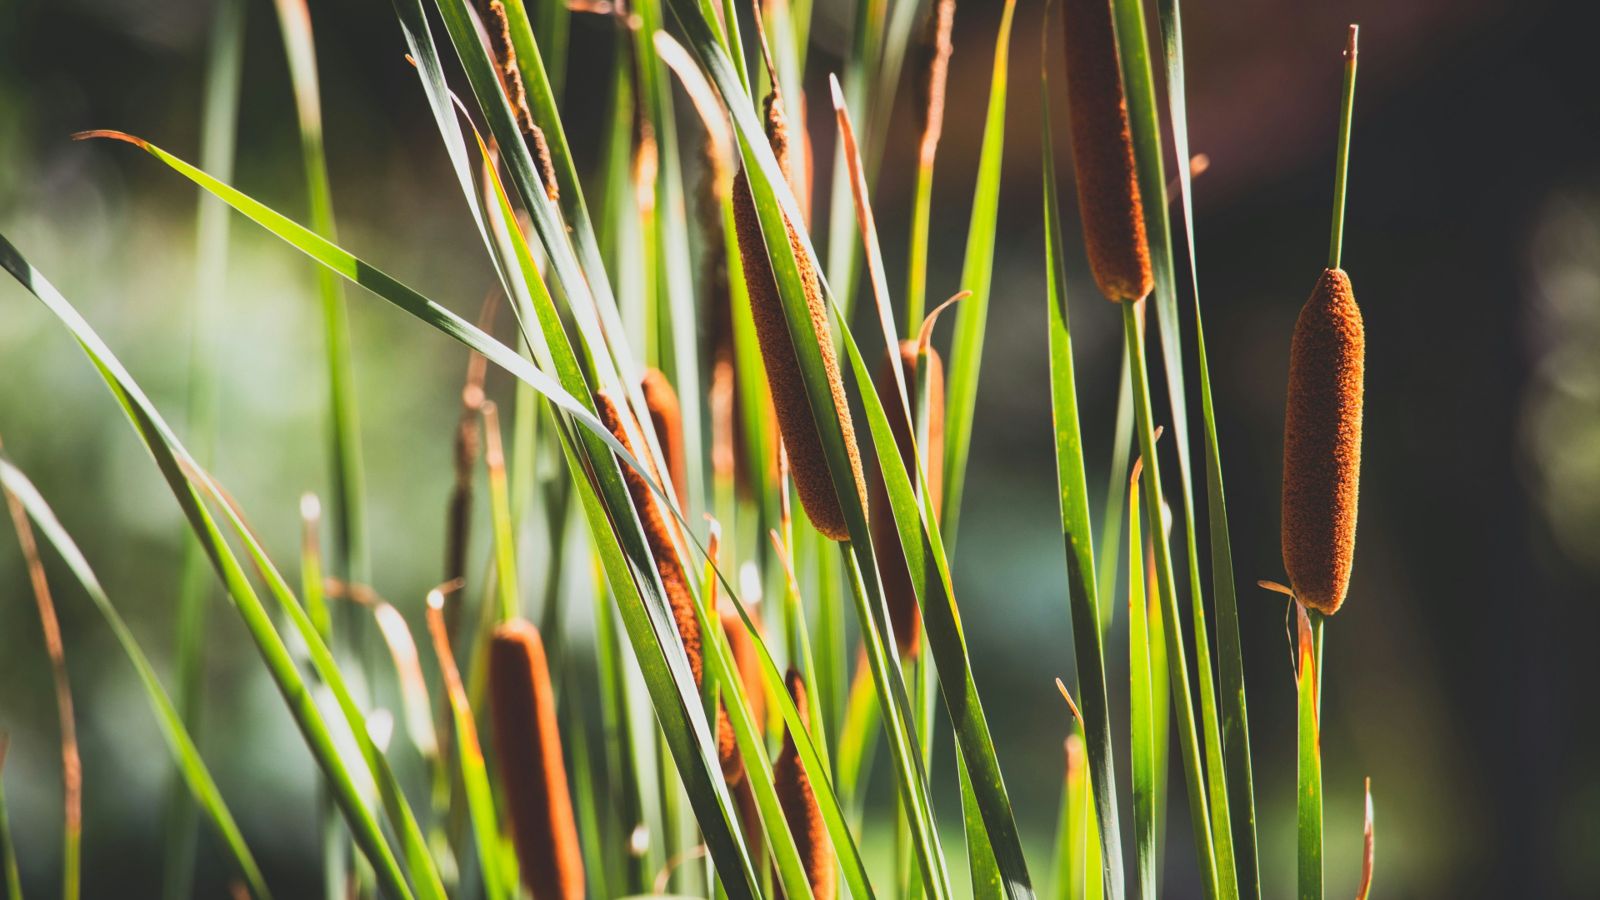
x=185, y=754
x=175, y=464
x=1141, y=724
x=1309, y=768
x=977, y=271
x=1177, y=656
x=1235, y=715
x=775, y=204
x=1082, y=591
x=1144, y=121
x=649, y=624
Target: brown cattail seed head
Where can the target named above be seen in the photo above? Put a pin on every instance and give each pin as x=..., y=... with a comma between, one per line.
x=795, y=421
x=934, y=76
x=800, y=805
x=747, y=666
x=528, y=749
x=898, y=592
x=1322, y=444
x=658, y=534
x=667, y=419
x=1102, y=153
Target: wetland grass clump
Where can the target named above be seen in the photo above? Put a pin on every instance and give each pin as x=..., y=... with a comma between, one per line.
x=634, y=790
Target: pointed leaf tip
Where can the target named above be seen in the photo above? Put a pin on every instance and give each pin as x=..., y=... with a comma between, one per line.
x=112, y=134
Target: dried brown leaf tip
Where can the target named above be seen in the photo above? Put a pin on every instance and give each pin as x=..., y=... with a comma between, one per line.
x=795, y=422
x=666, y=417
x=528, y=749
x=1322, y=444
x=1102, y=154
x=898, y=591
x=800, y=805
x=658, y=534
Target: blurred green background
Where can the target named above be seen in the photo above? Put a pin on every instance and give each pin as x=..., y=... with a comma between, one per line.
x=1461, y=673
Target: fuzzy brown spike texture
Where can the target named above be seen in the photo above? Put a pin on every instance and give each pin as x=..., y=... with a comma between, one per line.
x=527, y=746
x=666, y=417
x=806, y=457
x=1322, y=444
x=934, y=76
x=800, y=805
x=898, y=591
x=1102, y=154
x=658, y=534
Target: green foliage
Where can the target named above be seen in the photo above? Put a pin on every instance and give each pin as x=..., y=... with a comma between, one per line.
x=595, y=300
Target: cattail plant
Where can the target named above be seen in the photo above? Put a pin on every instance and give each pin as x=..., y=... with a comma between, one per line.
x=666, y=417
x=1102, y=154
x=1322, y=420
x=800, y=804
x=1321, y=471
x=533, y=775
x=633, y=274
x=1322, y=444
x=658, y=532
x=898, y=591
x=804, y=446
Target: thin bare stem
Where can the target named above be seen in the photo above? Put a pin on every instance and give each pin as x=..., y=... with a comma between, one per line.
x=1346, y=109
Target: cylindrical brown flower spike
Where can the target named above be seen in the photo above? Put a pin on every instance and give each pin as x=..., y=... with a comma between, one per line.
x=528, y=749
x=748, y=668
x=898, y=592
x=795, y=420
x=658, y=531
x=1322, y=444
x=666, y=417
x=658, y=534
x=1102, y=154
x=800, y=805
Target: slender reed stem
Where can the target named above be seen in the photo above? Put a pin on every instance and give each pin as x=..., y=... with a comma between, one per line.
x=1346, y=109
x=71, y=767
x=1309, y=794
x=1177, y=658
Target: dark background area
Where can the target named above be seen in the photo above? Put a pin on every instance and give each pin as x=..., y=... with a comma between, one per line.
x=1460, y=674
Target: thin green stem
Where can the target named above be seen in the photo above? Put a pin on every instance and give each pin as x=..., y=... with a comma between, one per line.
x=917, y=262
x=1347, y=105
x=1310, y=761
x=1177, y=658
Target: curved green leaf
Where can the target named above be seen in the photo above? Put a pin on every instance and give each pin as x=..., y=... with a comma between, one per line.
x=1083, y=593
x=184, y=752
x=177, y=467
